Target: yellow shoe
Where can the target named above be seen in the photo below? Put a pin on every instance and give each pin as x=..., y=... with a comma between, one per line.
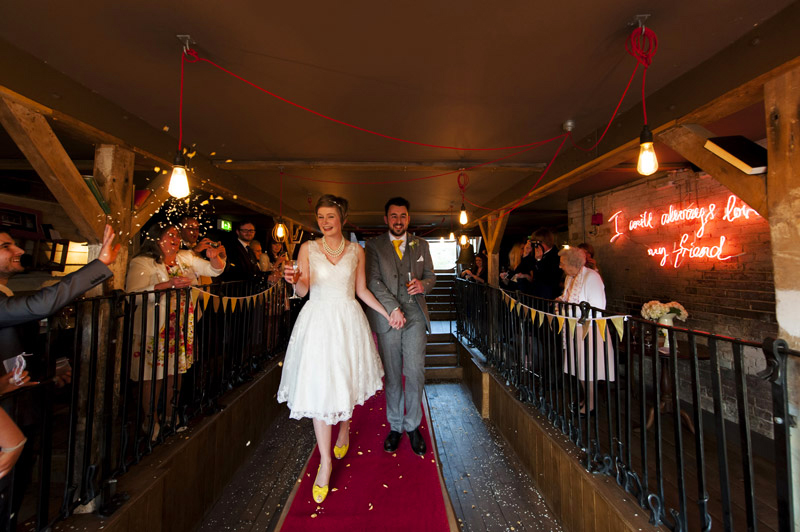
x=319, y=492
x=340, y=452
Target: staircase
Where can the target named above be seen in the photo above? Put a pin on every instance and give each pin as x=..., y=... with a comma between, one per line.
x=440, y=300
x=441, y=355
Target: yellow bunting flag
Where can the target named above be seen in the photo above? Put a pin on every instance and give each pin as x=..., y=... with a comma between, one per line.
x=619, y=325
x=215, y=303
x=225, y=303
x=571, y=322
x=195, y=293
x=534, y=314
x=206, y=297
x=525, y=311
x=560, y=323
x=519, y=308
x=585, y=328
x=540, y=316
x=233, y=303
x=601, y=327
x=512, y=305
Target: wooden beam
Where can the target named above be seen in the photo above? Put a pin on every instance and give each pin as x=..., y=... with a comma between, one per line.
x=492, y=230
x=113, y=173
x=39, y=144
x=376, y=166
x=688, y=140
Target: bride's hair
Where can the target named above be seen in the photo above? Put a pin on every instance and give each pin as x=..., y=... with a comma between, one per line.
x=329, y=200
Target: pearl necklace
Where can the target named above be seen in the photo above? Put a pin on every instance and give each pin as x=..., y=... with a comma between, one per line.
x=333, y=252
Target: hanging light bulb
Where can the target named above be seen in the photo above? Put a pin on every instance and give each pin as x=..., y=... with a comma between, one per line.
x=463, y=240
x=452, y=235
x=648, y=164
x=279, y=231
x=178, y=182
x=462, y=218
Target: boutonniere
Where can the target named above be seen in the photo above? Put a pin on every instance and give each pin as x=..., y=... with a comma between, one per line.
x=413, y=243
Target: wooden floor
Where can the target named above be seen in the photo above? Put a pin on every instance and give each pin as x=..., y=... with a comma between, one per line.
x=487, y=485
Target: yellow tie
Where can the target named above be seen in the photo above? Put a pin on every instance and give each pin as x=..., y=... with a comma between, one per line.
x=397, y=244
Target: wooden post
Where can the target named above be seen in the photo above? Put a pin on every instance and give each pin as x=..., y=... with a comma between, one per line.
x=492, y=229
x=781, y=104
x=113, y=173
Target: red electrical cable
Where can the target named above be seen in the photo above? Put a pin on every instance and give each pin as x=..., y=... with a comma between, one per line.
x=194, y=54
x=642, y=45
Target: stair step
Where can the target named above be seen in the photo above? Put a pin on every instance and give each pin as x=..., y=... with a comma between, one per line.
x=444, y=374
x=441, y=338
x=441, y=360
x=439, y=348
x=442, y=315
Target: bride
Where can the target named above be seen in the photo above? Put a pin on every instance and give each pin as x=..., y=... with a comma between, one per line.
x=331, y=362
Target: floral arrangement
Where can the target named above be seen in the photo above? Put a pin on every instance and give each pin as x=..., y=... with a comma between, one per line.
x=413, y=243
x=653, y=310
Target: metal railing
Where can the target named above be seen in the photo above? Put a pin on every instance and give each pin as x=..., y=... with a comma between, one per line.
x=123, y=400
x=646, y=429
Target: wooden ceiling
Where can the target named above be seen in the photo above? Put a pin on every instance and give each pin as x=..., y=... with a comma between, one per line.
x=472, y=74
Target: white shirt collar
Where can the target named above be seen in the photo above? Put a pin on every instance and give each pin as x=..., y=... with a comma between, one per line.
x=245, y=244
x=404, y=238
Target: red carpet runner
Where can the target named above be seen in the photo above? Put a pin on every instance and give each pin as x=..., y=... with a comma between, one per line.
x=370, y=488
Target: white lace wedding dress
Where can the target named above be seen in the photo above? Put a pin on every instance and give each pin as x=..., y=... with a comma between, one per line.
x=331, y=363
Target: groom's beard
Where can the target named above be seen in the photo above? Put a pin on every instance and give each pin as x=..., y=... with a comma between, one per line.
x=397, y=233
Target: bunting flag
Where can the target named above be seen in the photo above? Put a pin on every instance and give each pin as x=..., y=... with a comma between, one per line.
x=525, y=311
x=215, y=303
x=206, y=297
x=519, y=308
x=571, y=322
x=225, y=303
x=601, y=328
x=619, y=325
x=195, y=293
x=560, y=322
x=585, y=328
x=534, y=315
x=233, y=303
x=512, y=305
x=540, y=316
x=550, y=320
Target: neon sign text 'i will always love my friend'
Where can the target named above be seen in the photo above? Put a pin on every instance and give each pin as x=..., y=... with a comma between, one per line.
x=683, y=248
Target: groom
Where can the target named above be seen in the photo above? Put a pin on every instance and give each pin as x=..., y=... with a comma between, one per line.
x=390, y=258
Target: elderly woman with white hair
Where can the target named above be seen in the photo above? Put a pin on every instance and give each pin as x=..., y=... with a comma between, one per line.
x=585, y=284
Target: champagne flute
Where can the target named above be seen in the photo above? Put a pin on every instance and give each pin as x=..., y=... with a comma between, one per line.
x=408, y=285
x=296, y=268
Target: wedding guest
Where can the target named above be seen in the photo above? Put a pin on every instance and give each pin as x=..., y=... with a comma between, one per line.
x=478, y=273
x=262, y=259
x=588, y=249
x=521, y=267
x=161, y=265
x=546, y=273
x=585, y=284
x=241, y=264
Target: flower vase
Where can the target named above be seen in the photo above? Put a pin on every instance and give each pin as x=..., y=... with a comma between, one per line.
x=666, y=319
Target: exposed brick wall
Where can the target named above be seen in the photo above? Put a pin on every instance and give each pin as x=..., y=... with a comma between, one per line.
x=733, y=298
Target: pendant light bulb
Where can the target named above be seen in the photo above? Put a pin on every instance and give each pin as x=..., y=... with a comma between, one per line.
x=463, y=240
x=178, y=182
x=452, y=236
x=462, y=218
x=647, y=164
x=279, y=231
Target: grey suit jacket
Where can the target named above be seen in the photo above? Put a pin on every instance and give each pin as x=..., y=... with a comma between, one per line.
x=47, y=301
x=384, y=270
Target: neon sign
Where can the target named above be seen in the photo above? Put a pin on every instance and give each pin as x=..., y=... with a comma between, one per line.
x=685, y=248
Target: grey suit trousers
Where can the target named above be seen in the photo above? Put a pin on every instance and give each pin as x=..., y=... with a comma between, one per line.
x=403, y=355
